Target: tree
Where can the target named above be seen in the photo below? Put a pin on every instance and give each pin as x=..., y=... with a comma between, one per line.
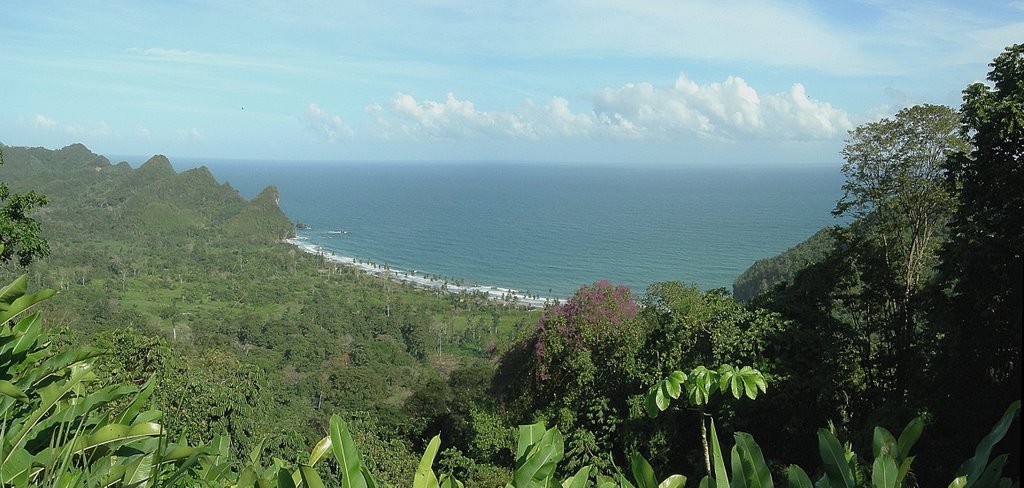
x=578, y=366
x=699, y=386
x=981, y=273
x=895, y=189
x=19, y=233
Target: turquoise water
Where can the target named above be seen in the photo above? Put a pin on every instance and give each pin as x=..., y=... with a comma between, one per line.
x=548, y=228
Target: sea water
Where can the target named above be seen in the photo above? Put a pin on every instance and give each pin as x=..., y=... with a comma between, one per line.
x=548, y=228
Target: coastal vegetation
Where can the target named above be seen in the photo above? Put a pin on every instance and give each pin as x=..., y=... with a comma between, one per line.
x=765, y=274
x=178, y=341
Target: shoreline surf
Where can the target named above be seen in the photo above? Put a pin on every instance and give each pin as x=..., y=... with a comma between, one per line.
x=418, y=278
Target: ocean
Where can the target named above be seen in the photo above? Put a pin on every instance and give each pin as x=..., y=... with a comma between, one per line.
x=547, y=228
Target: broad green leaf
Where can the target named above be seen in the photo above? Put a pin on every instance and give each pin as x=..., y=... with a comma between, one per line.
x=222, y=446
x=153, y=416
x=218, y=471
x=183, y=467
x=674, y=481
x=114, y=475
x=697, y=392
x=725, y=376
x=23, y=302
x=736, y=384
x=974, y=466
x=760, y=382
x=650, y=404
x=528, y=436
x=883, y=472
x=911, y=433
x=675, y=381
x=319, y=451
x=797, y=477
x=257, y=451
x=347, y=455
x=285, y=480
x=371, y=482
x=833, y=458
x=904, y=469
x=993, y=472
x=140, y=400
x=30, y=329
x=8, y=389
x=425, y=477
x=603, y=482
x=450, y=482
x=49, y=396
x=721, y=478
x=540, y=460
x=738, y=478
x=309, y=477
x=959, y=482
x=16, y=465
x=535, y=461
x=753, y=381
x=177, y=453
x=247, y=477
x=643, y=473
x=883, y=442
x=755, y=470
x=139, y=470
x=14, y=290
x=578, y=480
x=116, y=433
x=58, y=365
x=661, y=397
x=269, y=482
x=700, y=385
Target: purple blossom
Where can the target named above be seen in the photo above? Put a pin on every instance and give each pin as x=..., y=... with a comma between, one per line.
x=592, y=313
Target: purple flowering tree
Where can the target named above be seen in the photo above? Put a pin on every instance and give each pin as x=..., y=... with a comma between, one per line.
x=578, y=367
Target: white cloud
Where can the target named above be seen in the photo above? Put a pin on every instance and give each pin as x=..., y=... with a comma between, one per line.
x=43, y=122
x=205, y=58
x=190, y=134
x=730, y=110
x=327, y=126
x=40, y=121
x=91, y=129
x=454, y=118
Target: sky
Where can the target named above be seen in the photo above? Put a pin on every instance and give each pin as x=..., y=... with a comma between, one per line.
x=634, y=82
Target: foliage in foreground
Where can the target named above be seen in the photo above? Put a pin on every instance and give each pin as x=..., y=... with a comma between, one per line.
x=57, y=431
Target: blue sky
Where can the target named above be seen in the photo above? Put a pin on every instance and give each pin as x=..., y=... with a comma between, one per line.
x=638, y=82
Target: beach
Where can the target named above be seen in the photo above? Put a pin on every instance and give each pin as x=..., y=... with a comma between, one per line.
x=417, y=278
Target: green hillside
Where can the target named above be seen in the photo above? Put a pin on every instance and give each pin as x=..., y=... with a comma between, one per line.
x=180, y=269
x=767, y=273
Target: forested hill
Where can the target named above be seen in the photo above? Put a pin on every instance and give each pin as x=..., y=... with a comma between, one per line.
x=766, y=273
x=186, y=282
x=85, y=189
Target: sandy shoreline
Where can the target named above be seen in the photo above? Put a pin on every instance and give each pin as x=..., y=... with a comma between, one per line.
x=416, y=278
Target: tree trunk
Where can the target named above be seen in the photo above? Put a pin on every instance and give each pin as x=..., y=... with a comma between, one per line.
x=704, y=441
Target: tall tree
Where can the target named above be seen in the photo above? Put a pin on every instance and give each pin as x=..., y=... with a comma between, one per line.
x=19, y=233
x=981, y=273
x=895, y=190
